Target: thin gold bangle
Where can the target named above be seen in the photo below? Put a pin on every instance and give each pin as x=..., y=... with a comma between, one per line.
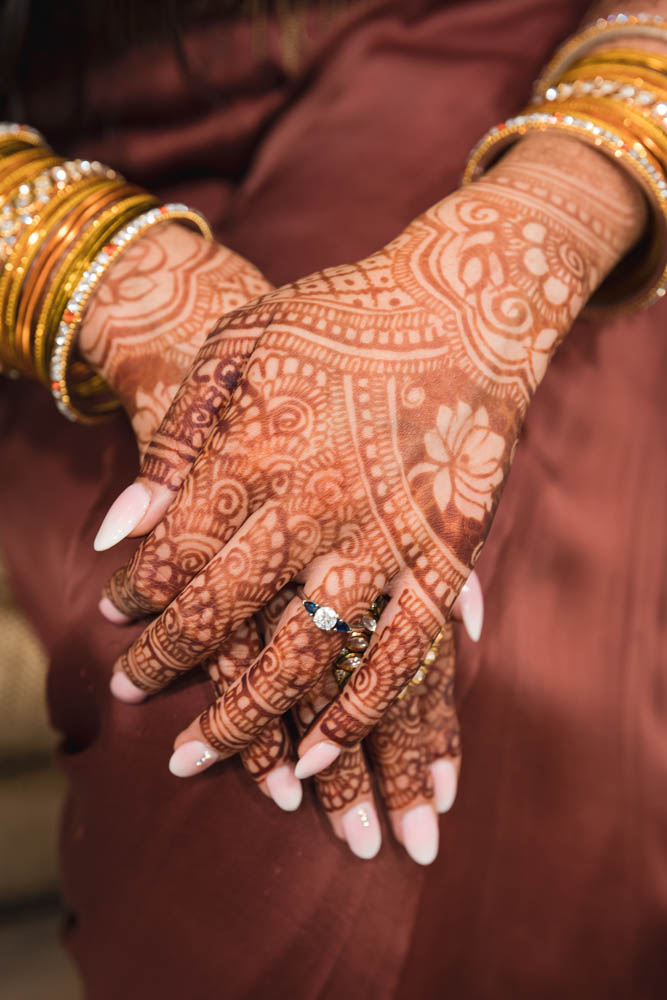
x=642, y=59
x=575, y=47
x=54, y=247
x=28, y=246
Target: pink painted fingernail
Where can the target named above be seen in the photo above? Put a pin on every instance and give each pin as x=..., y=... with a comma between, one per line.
x=420, y=834
x=362, y=830
x=472, y=606
x=123, y=515
x=123, y=689
x=191, y=758
x=286, y=790
x=316, y=759
x=445, y=781
x=111, y=612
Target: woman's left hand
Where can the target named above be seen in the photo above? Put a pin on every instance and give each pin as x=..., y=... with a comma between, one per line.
x=414, y=752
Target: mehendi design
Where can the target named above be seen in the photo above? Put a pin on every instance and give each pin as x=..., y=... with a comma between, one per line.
x=380, y=409
x=152, y=311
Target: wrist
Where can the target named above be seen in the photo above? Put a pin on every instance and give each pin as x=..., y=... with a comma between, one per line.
x=584, y=191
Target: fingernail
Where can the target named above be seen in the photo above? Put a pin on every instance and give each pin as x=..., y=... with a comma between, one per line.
x=286, y=790
x=191, y=758
x=444, y=782
x=472, y=606
x=362, y=830
x=111, y=612
x=420, y=834
x=123, y=689
x=316, y=759
x=123, y=515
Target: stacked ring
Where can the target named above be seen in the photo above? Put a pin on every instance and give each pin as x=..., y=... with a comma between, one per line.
x=356, y=642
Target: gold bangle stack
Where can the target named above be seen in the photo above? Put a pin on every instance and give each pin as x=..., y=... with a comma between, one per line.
x=616, y=101
x=62, y=223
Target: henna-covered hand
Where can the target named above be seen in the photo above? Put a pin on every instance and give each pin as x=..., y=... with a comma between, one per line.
x=414, y=751
x=142, y=331
x=152, y=311
x=367, y=442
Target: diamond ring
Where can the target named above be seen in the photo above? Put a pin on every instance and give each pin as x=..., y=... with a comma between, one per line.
x=325, y=617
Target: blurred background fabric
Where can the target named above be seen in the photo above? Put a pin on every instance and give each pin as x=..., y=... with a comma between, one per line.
x=32, y=963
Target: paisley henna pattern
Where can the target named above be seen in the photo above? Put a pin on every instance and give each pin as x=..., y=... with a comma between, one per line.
x=380, y=408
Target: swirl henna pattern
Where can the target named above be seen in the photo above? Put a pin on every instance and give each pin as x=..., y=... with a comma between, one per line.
x=367, y=443
x=151, y=313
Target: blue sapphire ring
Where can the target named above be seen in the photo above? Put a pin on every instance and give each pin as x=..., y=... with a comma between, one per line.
x=325, y=617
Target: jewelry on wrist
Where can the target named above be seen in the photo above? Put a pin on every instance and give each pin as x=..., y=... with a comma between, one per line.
x=615, y=25
x=76, y=306
x=616, y=101
x=627, y=287
x=62, y=223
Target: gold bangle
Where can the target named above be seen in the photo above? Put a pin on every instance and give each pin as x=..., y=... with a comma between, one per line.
x=618, y=114
x=16, y=161
x=594, y=77
x=641, y=278
x=70, y=269
x=71, y=402
x=17, y=267
x=631, y=25
x=642, y=59
x=51, y=251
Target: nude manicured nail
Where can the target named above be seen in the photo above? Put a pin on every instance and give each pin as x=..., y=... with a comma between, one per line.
x=420, y=834
x=191, y=758
x=362, y=830
x=123, y=689
x=123, y=515
x=316, y=759
x=111, y=612
x=444, y=783
x=471, y=603
x=286, y=790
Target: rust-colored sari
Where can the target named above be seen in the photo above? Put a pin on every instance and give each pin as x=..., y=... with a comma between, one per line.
x=552, y=874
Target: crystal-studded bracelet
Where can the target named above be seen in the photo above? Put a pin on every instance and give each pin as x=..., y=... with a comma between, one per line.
x=21, y=133
x=22, y=207
x=76, y=306
x=615, y=25
x=628, y=287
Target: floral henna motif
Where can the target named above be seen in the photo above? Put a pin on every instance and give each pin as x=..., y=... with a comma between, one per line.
x=382, y=403
x=152, y=312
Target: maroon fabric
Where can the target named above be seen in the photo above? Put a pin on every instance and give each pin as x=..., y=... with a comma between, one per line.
x=552, y=877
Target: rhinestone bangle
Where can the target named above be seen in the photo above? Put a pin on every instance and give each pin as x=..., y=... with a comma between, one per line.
x=76, y=306
x=616, y=25
x=22, y=133
x=635, y=289
x=636, y=95
x=28, y=198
